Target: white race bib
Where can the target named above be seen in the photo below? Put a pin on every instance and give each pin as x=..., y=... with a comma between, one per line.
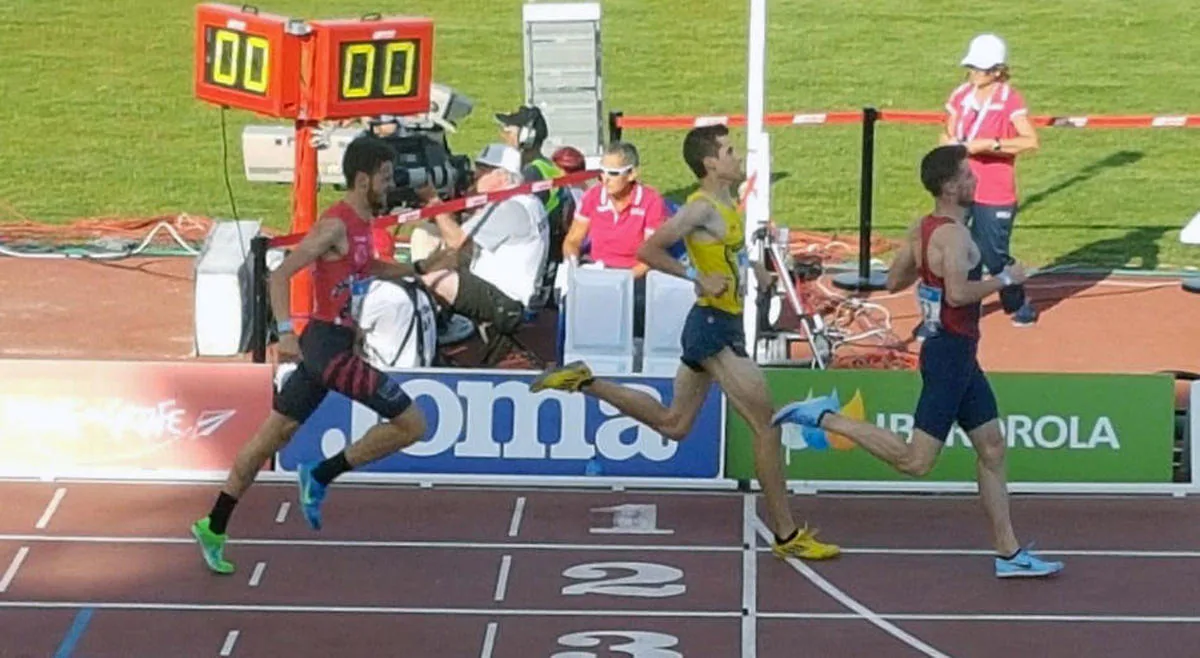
x=929, y=299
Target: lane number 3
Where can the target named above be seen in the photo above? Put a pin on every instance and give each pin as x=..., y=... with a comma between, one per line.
x=639, y=644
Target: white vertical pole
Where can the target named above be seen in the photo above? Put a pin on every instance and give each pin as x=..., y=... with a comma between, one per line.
x=1194, y=434
x=758, y=159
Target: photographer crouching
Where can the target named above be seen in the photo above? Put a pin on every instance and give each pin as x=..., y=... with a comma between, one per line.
x=490, y=268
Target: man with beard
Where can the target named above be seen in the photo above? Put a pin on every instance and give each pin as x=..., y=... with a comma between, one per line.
x=939, y=255
x=339, y=249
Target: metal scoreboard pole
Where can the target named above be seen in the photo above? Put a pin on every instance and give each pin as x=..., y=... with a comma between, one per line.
x=758, y=161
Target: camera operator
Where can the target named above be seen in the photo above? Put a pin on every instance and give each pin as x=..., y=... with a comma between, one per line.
x=490, y=268
x=526, y=131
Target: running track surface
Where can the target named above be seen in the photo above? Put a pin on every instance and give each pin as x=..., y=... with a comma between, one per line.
x=108, y=569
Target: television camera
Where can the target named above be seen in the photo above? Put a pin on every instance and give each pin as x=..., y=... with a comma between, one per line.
x=423, y=153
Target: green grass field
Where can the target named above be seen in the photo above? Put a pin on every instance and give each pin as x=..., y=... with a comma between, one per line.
x=99, y=118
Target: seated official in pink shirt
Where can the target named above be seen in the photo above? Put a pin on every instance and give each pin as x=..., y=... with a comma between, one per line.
x=616, y=217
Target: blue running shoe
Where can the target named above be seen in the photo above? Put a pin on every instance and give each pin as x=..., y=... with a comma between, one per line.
x=807, y=413
x=1026, y=565
x=311, y=494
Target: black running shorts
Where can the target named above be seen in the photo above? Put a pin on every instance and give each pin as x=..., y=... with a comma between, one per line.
x=328, y=363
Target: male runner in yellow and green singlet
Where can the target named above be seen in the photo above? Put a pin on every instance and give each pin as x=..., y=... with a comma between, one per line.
x=714, y=346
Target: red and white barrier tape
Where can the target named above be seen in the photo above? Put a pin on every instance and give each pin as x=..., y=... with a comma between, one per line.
x=905, y=116
x=457, y=205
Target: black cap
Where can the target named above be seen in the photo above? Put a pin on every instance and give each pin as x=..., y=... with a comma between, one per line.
x=526, y=115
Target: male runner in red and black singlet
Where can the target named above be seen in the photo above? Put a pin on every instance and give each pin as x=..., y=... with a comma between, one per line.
x=339, y=248
x=939, y=255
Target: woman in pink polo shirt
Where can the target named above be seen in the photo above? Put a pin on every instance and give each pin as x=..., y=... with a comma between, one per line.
x=988, y=115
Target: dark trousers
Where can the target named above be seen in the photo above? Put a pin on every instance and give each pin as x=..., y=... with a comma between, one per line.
x=991, y=228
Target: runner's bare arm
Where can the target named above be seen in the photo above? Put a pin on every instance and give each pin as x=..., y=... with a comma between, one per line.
x=654, y=251
x=903, y=272
x=322, y=238
x=954, y=243
x=388, y=270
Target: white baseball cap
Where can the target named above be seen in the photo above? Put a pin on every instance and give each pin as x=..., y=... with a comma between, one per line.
x=500, y=156
x=985, y=52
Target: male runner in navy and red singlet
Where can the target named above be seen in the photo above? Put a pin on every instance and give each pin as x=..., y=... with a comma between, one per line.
x=340, y=250
x=940, y=255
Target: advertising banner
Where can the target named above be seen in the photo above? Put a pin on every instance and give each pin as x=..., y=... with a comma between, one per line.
x=489, y=423
x=63, y=416
x=1058, y=427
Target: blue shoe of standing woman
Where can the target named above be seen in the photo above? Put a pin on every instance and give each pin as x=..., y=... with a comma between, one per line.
x=1026, y=316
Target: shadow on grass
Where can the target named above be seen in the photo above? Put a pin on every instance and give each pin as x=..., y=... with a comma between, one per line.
x=1101, y=258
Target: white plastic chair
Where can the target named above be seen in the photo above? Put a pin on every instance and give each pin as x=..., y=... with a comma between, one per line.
x=668, y=301
x=599, y=320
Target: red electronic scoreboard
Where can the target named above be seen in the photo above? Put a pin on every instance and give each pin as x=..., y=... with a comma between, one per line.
x=255, y=61
x=372, y=66
x=246, y=60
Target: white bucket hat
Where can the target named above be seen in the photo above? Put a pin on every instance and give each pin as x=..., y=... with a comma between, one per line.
x=986, y=51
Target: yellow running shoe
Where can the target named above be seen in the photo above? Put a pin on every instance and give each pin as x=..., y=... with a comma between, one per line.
x=570, y=377
x=805, y=546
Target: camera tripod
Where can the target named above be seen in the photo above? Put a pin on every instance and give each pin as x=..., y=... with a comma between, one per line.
x=815, y=332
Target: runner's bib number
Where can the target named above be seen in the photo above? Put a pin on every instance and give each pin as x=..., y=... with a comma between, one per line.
x=743, y=264
x=930, y=301
x=358, y=291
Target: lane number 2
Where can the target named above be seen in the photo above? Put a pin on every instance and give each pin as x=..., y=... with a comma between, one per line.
x=639, y=644
x=648, y=580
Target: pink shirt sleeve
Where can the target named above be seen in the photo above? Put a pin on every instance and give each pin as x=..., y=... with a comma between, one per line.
x=588, y=204
x=656, y=213
x=954, y=101
x=1015, y=105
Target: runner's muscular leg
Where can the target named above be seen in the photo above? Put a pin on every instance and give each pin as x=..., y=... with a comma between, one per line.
x=993, y=484
x=270, y=438
x=745, y=386
x=386, y=438
x=915, y=457
x=673, y=422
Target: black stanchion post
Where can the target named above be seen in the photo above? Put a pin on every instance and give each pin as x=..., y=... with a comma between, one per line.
x=614, y=126
x=864, y=278
x=259, y=310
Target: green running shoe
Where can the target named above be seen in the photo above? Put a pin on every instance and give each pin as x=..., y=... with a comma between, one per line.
x=212, y=547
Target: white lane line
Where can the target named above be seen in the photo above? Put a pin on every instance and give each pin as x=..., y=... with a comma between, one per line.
x=502, y=578
x=13, y=567
x=514, y=526
x=230, y=640
x=610, y=614
x=848, y=601
x=256, y=577
x=749, y=578
x=489, y=639
x=337, y=543
x=281, y=515
x=51, y=508
x=361, y=610
x=548, y=546
x=1061, y=619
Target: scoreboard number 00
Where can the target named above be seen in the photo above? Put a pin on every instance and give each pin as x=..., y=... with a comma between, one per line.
x=378, y=69
x=237, y=60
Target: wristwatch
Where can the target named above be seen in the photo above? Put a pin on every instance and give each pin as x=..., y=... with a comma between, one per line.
x=996, y=144
x=418, y=268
